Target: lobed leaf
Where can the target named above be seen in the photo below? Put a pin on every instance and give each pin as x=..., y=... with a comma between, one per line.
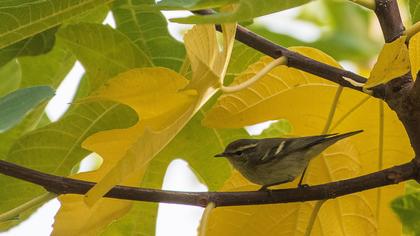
x=307, y=101
x=152, y=93
x=164, y=109
x=195, y=144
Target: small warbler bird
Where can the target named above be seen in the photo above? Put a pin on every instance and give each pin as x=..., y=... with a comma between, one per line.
x=273, y=161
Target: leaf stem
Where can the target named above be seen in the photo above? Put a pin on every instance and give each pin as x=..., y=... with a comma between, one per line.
x=412, y=30
x=205, y=219
x=314, y=214
x=366, y=3
x=231, y=89
x=15, y=212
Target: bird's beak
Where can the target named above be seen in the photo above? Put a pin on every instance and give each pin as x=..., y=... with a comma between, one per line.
x=220, y=155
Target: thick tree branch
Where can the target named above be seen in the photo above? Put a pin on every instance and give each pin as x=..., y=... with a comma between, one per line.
x=63, y=185
x=389, y=18
x=400, y=94
x=405, y=101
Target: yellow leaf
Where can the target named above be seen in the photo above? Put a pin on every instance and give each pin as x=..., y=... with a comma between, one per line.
x=414, y=51
x=152, y=91
x=208, y=64
x=165, y=101
x=306, y=100
x=165, y=113
x=392, y=62
x=263, y=96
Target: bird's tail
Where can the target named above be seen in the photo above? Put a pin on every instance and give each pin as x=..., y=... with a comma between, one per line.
x=335, y=137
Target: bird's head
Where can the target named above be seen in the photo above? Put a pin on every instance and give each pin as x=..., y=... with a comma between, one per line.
x=239, y=150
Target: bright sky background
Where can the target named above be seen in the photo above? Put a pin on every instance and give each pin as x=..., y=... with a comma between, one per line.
x=172, y=219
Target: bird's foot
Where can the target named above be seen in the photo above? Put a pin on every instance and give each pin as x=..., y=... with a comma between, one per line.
x=266, y=189
x=303, y=186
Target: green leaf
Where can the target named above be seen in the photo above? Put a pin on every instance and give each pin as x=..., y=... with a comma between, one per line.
x=23, y=19
x=10, y=76
x=103, y=51
x=412, y=186
x=148, y=30
x=280, y=128
x=408, y=210
x=414, y=6
x=14, y=3
x=36, y=45
x=14, y=106
x=246, y=10
x=340, y=38
x=48, y=69
x=56, y=148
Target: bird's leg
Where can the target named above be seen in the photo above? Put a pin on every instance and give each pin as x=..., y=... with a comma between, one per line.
x=303, y=186
x=300, y=185
x=264, y=188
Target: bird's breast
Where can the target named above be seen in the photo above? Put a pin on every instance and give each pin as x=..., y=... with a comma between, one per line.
x=282, y=170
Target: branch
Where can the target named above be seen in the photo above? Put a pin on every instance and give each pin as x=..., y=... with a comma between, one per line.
x=63, y=185
x=389, y=18
x=401, y=94
x=337, y=75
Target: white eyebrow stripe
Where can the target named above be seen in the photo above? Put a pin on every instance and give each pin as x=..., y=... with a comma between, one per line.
x=280, y=147
x=247, y=146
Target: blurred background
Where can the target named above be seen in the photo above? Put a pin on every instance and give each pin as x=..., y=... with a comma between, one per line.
x=343, y=30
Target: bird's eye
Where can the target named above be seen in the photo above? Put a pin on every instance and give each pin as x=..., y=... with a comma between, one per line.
x=238, y=153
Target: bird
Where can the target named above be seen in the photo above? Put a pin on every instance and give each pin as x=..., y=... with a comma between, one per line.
x=273, y=161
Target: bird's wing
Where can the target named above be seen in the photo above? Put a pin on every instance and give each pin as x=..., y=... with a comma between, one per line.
x=274, y=148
